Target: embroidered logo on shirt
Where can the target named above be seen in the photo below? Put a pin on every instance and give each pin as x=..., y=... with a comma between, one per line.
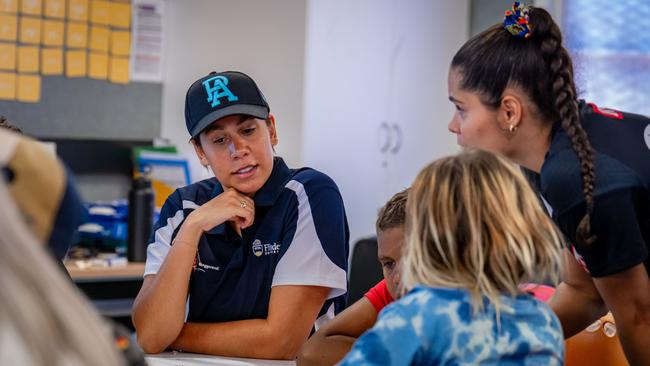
x=200, y=266
x=258, y=249
x=266, y=249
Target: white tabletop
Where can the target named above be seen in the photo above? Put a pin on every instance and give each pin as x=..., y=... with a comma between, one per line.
x=194, y=359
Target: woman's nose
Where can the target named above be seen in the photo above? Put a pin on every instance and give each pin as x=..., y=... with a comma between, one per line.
x=237, y=148
x=453, y=126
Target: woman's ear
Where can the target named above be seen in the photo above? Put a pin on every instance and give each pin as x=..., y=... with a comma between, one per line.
x=272, y=131
x=510, y=112
x=199, y=152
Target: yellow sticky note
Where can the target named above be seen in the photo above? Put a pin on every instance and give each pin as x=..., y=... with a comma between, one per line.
x=9, y=6
x=78, y=10
x=8, y=56
x=100, y=12
x=52, y=61
x=31, y=7
x=53, y=32
x=99, y=37
x=75, y=64
x=29, y=88
x=120, y=43
x=119, y=70
x=7, y=85
x=54, y=9
x=30, y=30
x=28, y=59
x=98, y=68
x=120, y=14
x=8, y=27
x=77, y=35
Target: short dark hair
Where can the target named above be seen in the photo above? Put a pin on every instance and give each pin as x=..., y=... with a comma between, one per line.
x=393, y=214
x=4, y=123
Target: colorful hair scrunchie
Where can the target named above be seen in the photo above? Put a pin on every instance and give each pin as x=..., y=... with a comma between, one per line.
x=516, y=20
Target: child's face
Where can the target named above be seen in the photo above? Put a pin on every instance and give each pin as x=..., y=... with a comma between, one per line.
x=240, y=151
x=389, y=252
x=474, y=124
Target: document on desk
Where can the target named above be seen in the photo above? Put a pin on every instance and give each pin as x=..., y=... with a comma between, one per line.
x=193, y=359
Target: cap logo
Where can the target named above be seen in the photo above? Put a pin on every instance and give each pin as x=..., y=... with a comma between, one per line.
x=217, y=88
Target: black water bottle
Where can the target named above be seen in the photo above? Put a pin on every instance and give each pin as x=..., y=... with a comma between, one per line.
x=140, y=218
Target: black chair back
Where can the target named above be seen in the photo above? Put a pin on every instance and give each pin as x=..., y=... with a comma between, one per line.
x=365, y=270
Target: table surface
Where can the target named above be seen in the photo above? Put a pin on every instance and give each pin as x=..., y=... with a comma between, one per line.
x=112, y=290
x=130, y=271
x=194, y=359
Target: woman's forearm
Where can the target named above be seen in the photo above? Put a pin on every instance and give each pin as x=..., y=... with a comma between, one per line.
x=325, y=350
x=159, y=309
x=291, y=316
x=634, y=333
x=252, y=338
x=576, y=309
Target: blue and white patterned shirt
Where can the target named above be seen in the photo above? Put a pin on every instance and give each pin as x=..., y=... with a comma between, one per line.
x=435, y=326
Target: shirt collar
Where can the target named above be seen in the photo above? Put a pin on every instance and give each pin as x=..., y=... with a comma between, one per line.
x=270, y=191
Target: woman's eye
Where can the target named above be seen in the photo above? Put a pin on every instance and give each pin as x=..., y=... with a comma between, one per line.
x=248, y=131
x=219, y=140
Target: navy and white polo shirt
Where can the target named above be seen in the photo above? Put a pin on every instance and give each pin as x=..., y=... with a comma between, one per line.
x=299, y=237
x=621, y=216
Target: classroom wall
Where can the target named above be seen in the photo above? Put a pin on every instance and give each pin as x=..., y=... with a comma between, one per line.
x=375, y=105
x=486, y=13
x=265, y=39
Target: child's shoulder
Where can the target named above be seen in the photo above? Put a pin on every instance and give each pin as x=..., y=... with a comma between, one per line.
x=425, y=295
x=454, y=303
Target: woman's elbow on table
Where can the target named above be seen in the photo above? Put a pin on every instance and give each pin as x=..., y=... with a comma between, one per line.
x=151, y=344
x=284, y=350
x=310, y=354
x=279, y=345
x=154, y=339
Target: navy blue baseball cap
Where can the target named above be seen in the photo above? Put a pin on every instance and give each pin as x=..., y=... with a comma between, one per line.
x=219, y=95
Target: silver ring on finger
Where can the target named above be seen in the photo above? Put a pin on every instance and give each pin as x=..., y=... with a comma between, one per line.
x=243, y=204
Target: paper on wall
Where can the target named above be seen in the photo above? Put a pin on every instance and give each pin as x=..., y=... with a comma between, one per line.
x=147, y=41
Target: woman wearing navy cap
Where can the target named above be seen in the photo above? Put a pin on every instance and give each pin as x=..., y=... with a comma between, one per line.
x=246, y=263
x=513, y=89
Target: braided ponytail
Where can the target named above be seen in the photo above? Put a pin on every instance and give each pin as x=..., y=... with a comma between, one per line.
x=547, y=34
x=530, y=56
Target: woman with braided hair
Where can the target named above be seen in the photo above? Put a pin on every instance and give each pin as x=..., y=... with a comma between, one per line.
x=514, y=92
